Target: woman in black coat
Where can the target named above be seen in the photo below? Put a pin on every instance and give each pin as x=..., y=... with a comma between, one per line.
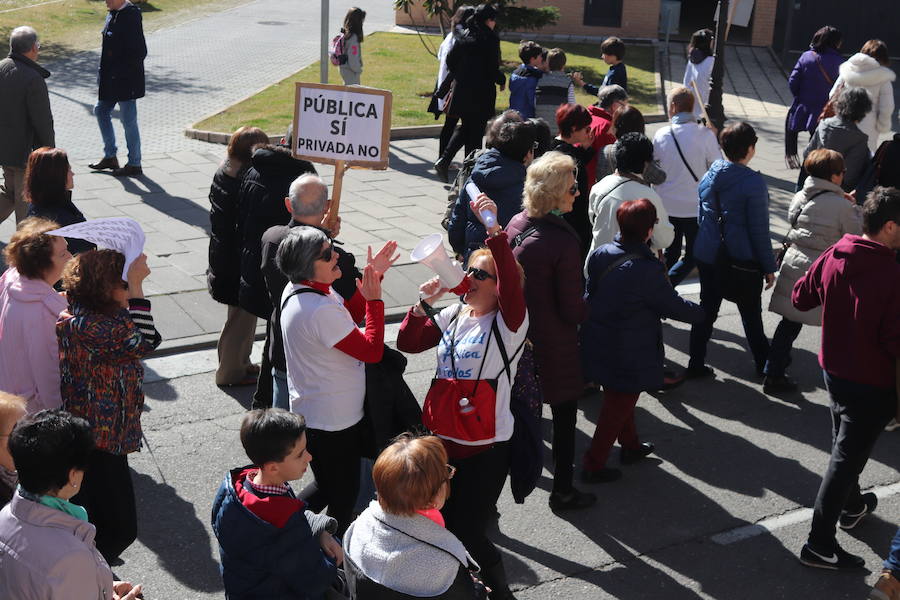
x=474, y=65
x=223, y=276
x=48, y=190
x=574, y=139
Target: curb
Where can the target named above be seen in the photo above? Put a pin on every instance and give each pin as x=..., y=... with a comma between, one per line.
x=397, y=133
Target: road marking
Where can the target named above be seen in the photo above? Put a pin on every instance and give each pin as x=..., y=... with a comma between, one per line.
x=793, y=517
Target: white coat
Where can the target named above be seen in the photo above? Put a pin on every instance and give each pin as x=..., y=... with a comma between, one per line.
x=861, y=70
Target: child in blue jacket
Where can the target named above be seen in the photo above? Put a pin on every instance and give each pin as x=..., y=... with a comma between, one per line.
x=524, y=79
x=269, y=545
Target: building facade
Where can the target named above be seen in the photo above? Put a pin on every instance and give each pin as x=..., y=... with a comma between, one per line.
x=634, y=19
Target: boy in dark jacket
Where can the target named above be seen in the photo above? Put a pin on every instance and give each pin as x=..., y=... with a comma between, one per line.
x=269, y=545
x=613, y=52
x=524, y=79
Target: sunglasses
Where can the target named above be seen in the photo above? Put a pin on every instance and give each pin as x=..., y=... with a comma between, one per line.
x=573, y=189
x=480, y=274
x=326, y=253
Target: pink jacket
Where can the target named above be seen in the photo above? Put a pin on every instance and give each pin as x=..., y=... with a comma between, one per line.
x=47, y=554
x=29, y=349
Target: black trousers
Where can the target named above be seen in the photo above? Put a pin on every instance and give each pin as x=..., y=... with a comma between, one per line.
x=447, y=130
x=751, y=317
x=262, y=397
x=470, y=134
x=107, y=494
x=474, y=491
x=859, y=413
x=335, y=464
x=564, y=418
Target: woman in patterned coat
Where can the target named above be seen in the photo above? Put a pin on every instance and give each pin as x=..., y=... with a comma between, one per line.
x=101, y=343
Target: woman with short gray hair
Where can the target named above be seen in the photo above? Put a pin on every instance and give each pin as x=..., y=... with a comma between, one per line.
x=325, y=354
x=842, y=134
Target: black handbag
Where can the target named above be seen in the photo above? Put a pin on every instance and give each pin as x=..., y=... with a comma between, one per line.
x=738, y=279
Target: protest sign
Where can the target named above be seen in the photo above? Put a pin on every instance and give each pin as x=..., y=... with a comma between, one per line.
x=347, y=126
x=346, y=123
x=114, y=233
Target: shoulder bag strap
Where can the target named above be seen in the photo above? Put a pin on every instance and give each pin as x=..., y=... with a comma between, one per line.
x=419, y=540
x=454, y=322
x=796, y=217
x=613, y=188
x=822, y=69
x=720, y=218
x=297, y=292
x=619, y=262
x=521, y=237
x=507, y=362
x=681, y=154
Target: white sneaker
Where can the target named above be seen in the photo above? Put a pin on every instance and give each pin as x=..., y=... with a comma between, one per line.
x=892, y=425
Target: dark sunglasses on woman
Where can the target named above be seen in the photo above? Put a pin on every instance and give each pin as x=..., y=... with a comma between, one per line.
x=326, y=253
x=480, y=274
x=573, y=189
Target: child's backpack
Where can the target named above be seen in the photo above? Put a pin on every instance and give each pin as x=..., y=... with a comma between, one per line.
x=336, y=52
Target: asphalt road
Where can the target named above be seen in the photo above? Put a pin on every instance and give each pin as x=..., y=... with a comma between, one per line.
x=677, y=526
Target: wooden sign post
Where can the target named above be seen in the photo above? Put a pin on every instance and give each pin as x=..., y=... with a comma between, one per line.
x=345, y=126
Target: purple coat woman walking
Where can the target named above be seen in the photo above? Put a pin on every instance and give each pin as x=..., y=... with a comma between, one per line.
x=810, y=82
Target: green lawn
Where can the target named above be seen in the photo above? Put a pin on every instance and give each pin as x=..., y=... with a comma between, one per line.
x=73, y=25
x=400, y=63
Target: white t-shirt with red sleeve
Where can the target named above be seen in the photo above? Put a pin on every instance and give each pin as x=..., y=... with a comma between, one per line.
x=326, y=385
x=471, y=337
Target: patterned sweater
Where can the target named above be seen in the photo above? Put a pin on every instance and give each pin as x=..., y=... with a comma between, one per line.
x=101, y=376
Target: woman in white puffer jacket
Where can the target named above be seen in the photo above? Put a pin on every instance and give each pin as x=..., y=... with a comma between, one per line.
x=868, y=69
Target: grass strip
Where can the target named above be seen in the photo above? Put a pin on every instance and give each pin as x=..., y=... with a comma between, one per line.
x=400, y=63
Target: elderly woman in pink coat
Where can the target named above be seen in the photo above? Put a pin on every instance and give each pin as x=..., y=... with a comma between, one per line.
x=29, y=309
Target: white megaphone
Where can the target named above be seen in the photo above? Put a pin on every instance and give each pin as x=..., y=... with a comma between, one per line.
x=431, y=253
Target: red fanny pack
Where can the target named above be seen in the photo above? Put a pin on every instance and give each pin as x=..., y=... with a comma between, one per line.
x=462, y=409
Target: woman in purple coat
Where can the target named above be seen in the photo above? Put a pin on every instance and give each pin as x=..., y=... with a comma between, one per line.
x=810, y=82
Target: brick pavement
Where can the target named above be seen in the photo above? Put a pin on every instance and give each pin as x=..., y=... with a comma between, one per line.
x=197, y=68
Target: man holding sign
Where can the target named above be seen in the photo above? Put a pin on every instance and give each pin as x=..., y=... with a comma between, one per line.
x=342, y=126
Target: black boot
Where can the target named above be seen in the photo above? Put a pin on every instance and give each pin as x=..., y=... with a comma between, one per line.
x=495, y=578
x=442, y=168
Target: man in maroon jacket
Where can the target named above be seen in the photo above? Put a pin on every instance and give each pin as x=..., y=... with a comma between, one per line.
x=857, y=283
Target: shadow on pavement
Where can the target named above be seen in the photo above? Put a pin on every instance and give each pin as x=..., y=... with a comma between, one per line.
x=169, y=527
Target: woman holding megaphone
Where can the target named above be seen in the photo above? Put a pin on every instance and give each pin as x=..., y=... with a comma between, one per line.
x=478, y=342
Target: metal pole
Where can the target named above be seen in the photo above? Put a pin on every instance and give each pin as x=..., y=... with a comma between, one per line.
x=323, y=44
x=717, y=79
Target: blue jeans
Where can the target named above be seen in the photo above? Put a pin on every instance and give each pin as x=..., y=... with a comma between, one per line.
x=280, y=395
x=128, y=114
x=685, y=228
x=711, y=301
x=780, y=349
x=893, y=559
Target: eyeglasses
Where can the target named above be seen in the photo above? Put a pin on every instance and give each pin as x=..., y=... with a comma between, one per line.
x=480, y=274
x=326, y=253
x=451, y=471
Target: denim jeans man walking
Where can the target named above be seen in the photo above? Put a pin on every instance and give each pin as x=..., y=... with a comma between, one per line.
x=121, y=81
